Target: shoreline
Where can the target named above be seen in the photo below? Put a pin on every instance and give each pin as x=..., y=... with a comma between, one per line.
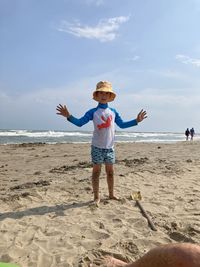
x=89, y=142
x=46, y=217
x=25, y=136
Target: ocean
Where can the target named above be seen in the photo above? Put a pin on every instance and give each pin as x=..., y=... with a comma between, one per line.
x=53, y=137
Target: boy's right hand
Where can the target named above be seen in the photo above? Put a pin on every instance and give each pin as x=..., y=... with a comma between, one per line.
x=62, y=110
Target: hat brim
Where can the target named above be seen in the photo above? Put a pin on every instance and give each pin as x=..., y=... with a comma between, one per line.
x=112, y=94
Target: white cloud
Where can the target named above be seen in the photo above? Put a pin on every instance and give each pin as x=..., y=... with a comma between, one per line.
x=134, y=58
x=95, y=2
x=161, y=98
x=188, y=60
x=3, y=97
x=106, y=29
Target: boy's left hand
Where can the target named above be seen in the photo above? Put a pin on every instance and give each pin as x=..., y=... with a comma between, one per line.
x=141, y=115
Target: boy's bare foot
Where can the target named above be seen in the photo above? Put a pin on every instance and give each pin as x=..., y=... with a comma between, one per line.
x=97, y=201
x=94, y=204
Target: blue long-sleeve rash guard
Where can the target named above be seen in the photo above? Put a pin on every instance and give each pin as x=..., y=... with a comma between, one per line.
x=104, y=119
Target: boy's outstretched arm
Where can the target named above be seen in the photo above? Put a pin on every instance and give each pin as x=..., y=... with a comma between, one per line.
x=62, y=110
x=141, y=115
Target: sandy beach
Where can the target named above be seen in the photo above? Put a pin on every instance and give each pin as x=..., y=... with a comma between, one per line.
x=46, y=212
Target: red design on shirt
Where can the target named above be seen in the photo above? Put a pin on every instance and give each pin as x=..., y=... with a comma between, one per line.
x=106, y=123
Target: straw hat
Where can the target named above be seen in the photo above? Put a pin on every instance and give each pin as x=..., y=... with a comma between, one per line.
x=104, y=86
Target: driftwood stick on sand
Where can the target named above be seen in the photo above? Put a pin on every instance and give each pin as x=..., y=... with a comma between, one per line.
x=151, y=224
x=137, y=197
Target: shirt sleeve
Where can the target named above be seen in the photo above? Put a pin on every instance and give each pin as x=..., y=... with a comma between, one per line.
x=124, y=124
x=83, y=120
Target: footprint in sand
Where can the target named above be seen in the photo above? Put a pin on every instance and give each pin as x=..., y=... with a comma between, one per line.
x=93, y=234
x=6, y=258
x=130, y=247
x=95, y=258
x=117, y=222
x=192, y=230
x=180, y=237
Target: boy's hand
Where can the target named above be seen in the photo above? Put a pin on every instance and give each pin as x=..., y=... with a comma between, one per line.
x=141, y=115
x=62, y=110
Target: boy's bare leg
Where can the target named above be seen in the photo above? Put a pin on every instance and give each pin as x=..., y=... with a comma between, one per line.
x=110, y=180
x=95, y=182
x=180, y=254
x=112, y=262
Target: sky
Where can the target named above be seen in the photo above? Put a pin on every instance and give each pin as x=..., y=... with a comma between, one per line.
x=55, y=51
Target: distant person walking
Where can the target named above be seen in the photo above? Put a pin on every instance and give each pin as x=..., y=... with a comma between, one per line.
x=187, y=133
x=192, y=133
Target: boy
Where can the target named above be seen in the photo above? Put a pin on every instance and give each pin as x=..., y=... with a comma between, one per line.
x=102, y=149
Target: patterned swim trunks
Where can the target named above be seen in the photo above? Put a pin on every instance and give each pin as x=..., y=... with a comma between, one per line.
x=102, y=155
